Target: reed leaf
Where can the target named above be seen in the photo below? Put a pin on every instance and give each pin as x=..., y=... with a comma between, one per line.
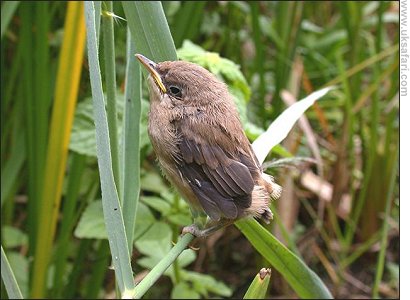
x=10, y=282
x=111, y=203
x=7, y=11
x=131, y=142
x=65, y=98
x=300, y=277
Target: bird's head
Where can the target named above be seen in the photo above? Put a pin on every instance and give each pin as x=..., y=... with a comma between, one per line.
x=183, y=83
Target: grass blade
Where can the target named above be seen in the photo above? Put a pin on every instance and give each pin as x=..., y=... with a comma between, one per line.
x=34, y=169
x=385, y=229
x=110, y=83
x=68, y=221
x=131, y=142
x=149, y=30
x=68, y=79
x=7, y=11
x=259, y=285
x=302, y=279
x=280, y=128
x=187, y=21
x=12, y=167
x=9, y=279
x=111, y=204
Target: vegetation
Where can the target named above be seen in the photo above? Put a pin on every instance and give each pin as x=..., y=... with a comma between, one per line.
x=75, y=171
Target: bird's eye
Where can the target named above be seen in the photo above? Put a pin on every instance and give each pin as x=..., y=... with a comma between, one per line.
x=175, y=91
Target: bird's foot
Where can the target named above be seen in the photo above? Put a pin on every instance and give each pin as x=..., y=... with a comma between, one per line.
x=198, y=232
x=195, y=231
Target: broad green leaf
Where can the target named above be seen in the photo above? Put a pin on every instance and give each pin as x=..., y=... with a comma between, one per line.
x=143, y=220
x=300, y=277
x=181, y=219
x=259, y=285
x=83, y=132
x=13, y=237
x=205, y=283
x=156, y=242
x=91, y=224
x=183, y=291
x=157, y=203
x=153, y=182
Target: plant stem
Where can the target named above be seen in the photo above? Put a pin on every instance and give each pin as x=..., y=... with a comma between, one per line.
x=162, y=266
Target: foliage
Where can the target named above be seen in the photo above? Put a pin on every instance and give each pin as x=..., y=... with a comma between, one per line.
x=259, y=49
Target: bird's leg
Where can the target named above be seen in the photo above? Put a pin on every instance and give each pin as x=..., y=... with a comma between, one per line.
x=195, y=230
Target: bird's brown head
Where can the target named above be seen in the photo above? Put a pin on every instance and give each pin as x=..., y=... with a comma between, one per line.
x=183, y=82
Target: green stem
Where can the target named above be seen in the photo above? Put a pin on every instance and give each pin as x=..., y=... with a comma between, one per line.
x=162, y=266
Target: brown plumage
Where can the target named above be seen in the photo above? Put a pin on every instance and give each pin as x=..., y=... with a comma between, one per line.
x=197, y=136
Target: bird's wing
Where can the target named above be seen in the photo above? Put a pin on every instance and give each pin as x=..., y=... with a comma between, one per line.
x=221, y=179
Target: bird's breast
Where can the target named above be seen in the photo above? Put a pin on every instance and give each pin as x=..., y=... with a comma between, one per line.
x=162, y=132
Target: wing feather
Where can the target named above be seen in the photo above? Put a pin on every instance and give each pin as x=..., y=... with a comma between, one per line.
x=221, y=179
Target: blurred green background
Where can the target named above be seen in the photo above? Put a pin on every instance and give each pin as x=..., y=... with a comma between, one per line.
x=340, y=213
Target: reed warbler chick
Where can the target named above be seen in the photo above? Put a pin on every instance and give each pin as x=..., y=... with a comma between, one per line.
x=202, y=149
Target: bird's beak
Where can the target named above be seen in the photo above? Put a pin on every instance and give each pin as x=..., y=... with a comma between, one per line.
x=152, y=69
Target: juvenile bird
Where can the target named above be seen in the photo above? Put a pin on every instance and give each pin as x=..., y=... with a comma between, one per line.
x=202, y=149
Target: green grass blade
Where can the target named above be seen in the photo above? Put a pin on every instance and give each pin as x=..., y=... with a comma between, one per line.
x=65, y=99
x=97, y=7
x=259, y=285
x=149, y=30
x=34, y=172
x=7, y=11
x=186, y=23
x=385, y=229
x=79, y=261
x=302, y=279
x=259, y=65
x=131, y=142
x=10, y=282
x=111, y=204
x=99, y=270
x=12, y=167
x=110, y=84
x=68, y=221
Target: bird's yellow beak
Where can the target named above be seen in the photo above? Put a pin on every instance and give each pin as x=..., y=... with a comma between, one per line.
x=152, y=69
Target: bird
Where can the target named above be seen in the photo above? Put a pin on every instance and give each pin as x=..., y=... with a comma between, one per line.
x=202, y=149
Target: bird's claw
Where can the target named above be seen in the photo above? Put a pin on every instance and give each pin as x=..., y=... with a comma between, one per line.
x=194, y=230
